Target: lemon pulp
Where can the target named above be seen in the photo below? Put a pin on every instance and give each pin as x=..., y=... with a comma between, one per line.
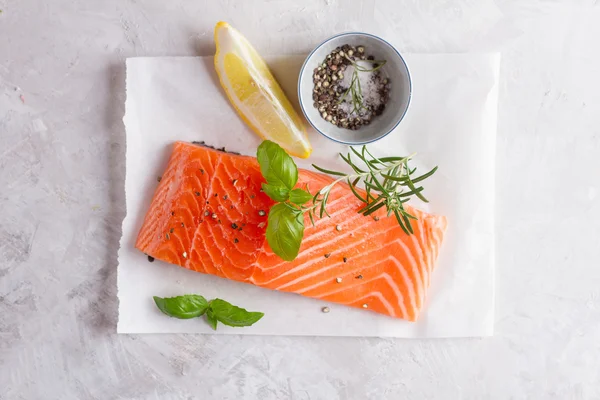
x=255, y=94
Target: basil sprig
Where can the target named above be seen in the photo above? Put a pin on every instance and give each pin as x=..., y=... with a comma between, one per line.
x=182, y=307
x=216, y=310
x=285, y=228
x=276, y=166
x=277, y=193
x=299, y=196
x=230, y=315
x=388, y=182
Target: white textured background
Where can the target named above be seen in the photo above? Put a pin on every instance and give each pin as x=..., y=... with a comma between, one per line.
x=61, y=205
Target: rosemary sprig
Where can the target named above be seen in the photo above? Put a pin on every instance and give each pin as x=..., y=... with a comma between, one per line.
x=388, y=183
x=355, y=90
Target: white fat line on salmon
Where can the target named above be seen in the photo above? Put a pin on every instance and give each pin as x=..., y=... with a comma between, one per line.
x=221, y=182
x=217, y=263
x=389, y=280
x=178, y=244
x=359, y=282
x=423, y=272
x=226, y=228
x=415, y=288
x=418, y=284
x=209, y=194
x=203, y=249
x=225, y=259
x=347, y=273
x=317, y=272
x=363, y=300
x=316, y=234
x=313, y=250
x=325, y=273
x=174, y=167
x=317, y=257
x=198, y=264
x=425, y=251
x=217, y=179
x=174, y=255
x=412, y=293
x=166, y=222
x=163, y=203
x=437, y=241
x=432, y=253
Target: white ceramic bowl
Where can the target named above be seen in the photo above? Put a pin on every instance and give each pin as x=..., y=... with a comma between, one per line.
x=395, y=69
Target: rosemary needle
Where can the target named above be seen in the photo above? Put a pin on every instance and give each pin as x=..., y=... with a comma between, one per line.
x=388, y=182
x=355, y=90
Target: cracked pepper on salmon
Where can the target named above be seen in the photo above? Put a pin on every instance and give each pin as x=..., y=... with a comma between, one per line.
x=209, y=215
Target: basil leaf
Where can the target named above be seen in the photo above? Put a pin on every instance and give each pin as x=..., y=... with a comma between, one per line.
x=299, y=196
x=182, y=307
x=211, y=319
x=285, y=230
x=277, y=193
x=231, y=315
x=276, y=166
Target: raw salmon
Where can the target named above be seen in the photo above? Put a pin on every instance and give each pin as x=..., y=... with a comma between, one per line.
x=209, y=215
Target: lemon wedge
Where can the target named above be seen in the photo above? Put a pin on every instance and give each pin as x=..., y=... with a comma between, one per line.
x=255, y=94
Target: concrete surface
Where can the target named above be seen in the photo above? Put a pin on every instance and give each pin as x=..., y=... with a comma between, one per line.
x=61, y=206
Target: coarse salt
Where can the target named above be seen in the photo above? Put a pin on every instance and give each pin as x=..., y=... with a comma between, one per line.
x=369, y=87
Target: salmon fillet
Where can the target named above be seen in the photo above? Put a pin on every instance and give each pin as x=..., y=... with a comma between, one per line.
x=209, y=215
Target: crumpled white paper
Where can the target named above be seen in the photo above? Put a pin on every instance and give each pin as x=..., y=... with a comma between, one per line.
x=451, y=123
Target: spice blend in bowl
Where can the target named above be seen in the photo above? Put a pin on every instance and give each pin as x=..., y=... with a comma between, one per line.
x=349, y=88
x=360, y=105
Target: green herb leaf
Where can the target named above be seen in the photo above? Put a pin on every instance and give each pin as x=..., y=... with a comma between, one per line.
x=299, y=196
x=277, y=193
x=231, y=315
x=191, y=306
x=387, y=181
x=276, y=166
x=327, y=171
x=211, y=319
x=285, y=230
x=182, y=307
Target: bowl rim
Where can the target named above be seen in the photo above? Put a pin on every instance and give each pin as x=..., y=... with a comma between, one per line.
x=301, y=101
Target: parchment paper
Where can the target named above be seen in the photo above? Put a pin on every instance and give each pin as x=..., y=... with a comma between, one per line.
x=451, y=123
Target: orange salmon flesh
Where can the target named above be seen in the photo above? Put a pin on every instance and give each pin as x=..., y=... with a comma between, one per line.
x=209, y=215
